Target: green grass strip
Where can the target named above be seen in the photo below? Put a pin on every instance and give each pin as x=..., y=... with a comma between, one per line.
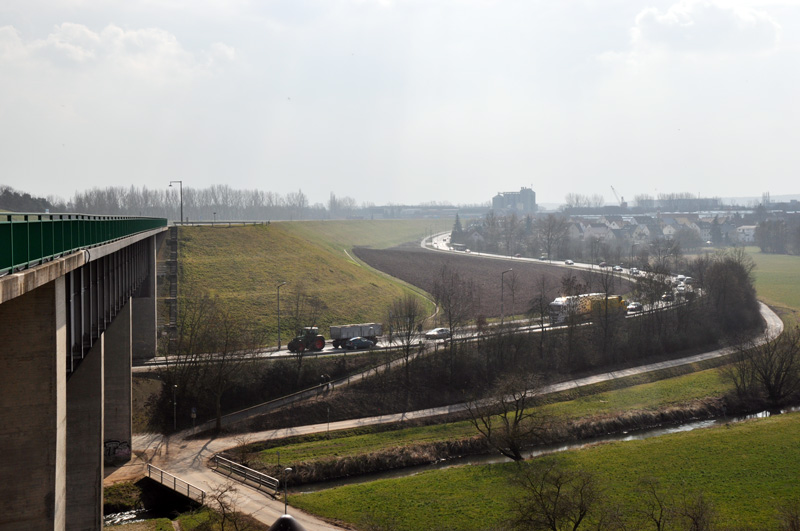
x=746, y=469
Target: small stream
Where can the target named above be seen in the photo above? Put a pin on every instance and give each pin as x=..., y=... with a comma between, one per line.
x=539, y=450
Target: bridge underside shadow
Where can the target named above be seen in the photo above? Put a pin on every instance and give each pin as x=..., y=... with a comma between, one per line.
x=68, y=334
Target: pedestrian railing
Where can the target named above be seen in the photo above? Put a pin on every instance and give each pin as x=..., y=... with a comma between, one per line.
x=178, y=485
x=245, y=475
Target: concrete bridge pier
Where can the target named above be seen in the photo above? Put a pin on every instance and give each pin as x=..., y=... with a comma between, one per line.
x=33, y=409
x=84, y=439
x=69, y=329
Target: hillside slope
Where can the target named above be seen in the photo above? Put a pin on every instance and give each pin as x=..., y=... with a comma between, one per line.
x=243, y=265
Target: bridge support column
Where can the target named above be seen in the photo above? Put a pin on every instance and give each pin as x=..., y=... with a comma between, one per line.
x=33, y=409
x=85, y=441
x=144, y=307
x=117, y=389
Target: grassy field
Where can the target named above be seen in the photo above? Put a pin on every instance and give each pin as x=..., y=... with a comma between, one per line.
x=379, y=233
x=243, y=266
x=778, y=281
x=746, y=469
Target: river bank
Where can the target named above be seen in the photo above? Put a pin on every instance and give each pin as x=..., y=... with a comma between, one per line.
x=407, y=456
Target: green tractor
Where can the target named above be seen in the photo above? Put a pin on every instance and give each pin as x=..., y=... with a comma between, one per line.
x=307, y=339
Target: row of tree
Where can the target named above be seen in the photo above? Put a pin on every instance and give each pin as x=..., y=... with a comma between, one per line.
x=779, y=236
x=220, y=202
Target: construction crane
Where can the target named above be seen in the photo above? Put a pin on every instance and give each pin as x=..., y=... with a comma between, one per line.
x=621, y=201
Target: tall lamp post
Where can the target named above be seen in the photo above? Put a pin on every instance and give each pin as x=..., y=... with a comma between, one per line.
x=285, y=497
x=502, y=293
x=180, y=184
x=279, y=313
x=174, y=409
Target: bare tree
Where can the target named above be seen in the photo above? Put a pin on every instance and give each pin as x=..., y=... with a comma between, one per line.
x=539, y=309
x=223, y=499
x=214, y=348
x=656, y=506
x=696, y=512
x=404, y=325
x=297, y=202
x=457, y=299
x=731, y=292
x=609, y=319
x=511, y=282
x=573, y=200
x=770, y=370
x=511, y=227
x=789, y=515
x=229, y=349
x=304, y=311
x=509, y=421
x=554, y=497
x=551, y=230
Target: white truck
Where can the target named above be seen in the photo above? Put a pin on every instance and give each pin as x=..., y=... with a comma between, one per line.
x=340, y=334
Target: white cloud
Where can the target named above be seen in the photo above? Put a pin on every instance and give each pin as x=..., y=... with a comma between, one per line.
x=148, y=55
x=11, y=46
x=703, y=26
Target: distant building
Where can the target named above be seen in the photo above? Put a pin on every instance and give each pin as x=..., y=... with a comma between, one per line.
x=746, y=233
x=523, y=201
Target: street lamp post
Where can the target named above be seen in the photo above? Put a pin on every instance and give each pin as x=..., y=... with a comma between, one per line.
x=502, y=293
x=215, y=218
x=279, y=313
x=174, y=409
x=285, y=496
x=180, y=184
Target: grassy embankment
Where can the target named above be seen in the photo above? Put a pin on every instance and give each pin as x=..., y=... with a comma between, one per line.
x=243, y=266
x=745, y=469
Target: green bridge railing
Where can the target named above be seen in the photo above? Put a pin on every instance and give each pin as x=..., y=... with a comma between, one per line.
x=31, y=239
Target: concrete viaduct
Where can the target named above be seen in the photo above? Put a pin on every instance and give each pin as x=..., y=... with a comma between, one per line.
x=77, y=304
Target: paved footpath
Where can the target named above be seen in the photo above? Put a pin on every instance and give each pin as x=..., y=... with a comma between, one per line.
x=186, y=458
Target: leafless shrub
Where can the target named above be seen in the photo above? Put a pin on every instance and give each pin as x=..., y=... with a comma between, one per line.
x=552, y=496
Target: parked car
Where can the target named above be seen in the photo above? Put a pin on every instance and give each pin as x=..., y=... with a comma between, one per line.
x=569, y=262
x=543, y=257
x=617, y=268
x=688, y=280
x=668, y=296
x=635, y=307
x=357, y=343
x=603, y=264
x=438, y=333
x=634, y=271
x=681, y=287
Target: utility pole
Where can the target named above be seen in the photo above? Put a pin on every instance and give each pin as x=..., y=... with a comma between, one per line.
x=279, y=313
x=502, y=293
x=180, y=184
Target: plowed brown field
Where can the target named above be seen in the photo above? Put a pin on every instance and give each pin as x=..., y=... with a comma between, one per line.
x=420, y=267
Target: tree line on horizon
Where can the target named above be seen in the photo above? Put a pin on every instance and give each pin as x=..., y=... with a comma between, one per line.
x=220, y=202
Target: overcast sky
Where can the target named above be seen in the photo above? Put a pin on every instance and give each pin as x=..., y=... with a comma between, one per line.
x=405, y=101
